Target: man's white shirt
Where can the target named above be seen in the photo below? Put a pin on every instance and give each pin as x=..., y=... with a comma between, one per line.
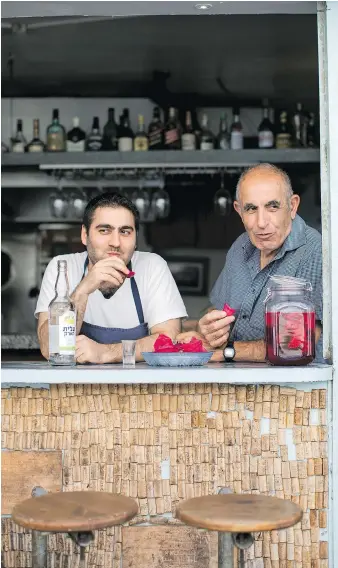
x=160, y=298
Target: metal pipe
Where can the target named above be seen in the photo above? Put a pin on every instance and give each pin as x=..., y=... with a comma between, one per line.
x=225, y=543
x=39, y=550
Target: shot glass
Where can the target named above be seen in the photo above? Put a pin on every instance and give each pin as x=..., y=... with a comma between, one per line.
x=128, y=348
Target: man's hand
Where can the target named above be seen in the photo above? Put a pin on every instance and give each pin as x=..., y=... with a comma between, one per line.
x=112, y=270
x=88, y=351
x=215, y=327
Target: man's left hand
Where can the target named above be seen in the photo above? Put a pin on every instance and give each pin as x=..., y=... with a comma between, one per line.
x=88, y=351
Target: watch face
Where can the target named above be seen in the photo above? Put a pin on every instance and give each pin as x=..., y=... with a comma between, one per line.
x=229, y=352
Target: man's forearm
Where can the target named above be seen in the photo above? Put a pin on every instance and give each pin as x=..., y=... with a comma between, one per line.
x=80, y=300
x=43, y=336
x=246, y=351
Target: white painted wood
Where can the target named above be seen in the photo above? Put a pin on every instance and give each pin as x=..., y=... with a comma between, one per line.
x=329, y=91
x=259, y=373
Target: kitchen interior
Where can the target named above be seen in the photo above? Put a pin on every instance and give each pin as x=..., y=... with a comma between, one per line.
x=196, y=99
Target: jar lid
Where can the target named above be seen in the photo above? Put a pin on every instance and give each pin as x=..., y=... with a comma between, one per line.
x=289, y=283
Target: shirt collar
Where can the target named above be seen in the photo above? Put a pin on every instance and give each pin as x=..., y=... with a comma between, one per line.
x=293, y=241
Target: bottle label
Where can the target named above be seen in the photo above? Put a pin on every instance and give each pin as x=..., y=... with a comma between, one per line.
x=236, y=141
x=207, y=145
x=155, y=138
x=188, y=141
x=75, y=146
x=140, y=143
x=224, y=143
x=18, y=147
x=55, y=142
x=283, y=140
x=95, y=144
x=171, y=136
x=35, y=148
x=125, y=144
x=265, y=139
x=67, y=333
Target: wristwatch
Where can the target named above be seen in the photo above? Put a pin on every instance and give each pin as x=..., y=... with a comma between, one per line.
x=229, y=352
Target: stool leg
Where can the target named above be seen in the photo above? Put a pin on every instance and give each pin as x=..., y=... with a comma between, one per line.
x=39, y=550
x=225, y=550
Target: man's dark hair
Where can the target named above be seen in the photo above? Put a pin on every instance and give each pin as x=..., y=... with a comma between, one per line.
x=109, y=200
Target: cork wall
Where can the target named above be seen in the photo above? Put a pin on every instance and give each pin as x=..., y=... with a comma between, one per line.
x=162, y=443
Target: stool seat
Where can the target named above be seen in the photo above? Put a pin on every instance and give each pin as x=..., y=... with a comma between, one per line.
x=74, y=511
x=238, y=513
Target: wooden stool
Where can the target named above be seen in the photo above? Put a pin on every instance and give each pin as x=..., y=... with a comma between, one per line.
x=77, y=513
x=240, y=515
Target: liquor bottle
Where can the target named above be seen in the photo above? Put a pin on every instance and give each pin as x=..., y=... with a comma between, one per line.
x=110, y=132
x=172, y=134
x=56, y=134
x=299, y=127
x=18, y=141
x=223, y=142
x=76, y=137
x=141, y=138
x=4, y=148
x=125, y=133
x=207, y=138
x=156, y=131
x=188, y=136
x=283, y=134
x=312, y=134
x=265, y=129
x=36, y=145
x=236, y=134
x=94, y=140
x=62, y=321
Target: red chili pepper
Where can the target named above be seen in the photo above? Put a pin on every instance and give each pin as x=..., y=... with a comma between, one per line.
x=131, y=274
x=229, y=311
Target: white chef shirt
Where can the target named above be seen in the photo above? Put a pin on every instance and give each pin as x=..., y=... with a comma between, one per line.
x=160, y=298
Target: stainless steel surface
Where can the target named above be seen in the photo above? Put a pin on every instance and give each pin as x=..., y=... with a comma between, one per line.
x=17, y=308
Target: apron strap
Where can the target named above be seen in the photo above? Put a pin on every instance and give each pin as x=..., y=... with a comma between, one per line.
x=134, y=289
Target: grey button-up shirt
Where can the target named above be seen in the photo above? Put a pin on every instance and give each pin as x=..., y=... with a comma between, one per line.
x=243, y=285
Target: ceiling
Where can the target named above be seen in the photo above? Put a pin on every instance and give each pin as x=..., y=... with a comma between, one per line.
x=255, y=56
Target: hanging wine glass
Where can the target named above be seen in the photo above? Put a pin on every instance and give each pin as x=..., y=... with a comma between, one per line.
x=59, y=203
x=140, y=198
x=160, y=203
x=223, y=200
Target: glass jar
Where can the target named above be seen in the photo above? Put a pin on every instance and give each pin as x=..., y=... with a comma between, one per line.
x=289, y=321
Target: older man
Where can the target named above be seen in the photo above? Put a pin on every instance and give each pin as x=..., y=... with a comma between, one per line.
x=276, y=241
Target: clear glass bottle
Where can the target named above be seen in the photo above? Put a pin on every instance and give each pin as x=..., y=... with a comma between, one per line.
x=299, y=127
x=141, y=138
x=94, y=140
x=76, y=137
x=18, y=141
x=188, y=136
x=289, y=321
x=265, y=130
x=236, y=133
x=126, y=135
x=172, y=140
x=62, y=321
x=155, y=131
x=223, y=138
x=56, y=134
x=110, y=132
x=207, y=138
x=36, y=145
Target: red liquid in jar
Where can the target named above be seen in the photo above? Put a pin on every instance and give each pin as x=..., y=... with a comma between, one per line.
x=290, y=337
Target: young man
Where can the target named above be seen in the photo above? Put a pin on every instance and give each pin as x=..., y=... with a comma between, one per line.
x=111, y=307
x=276, y=242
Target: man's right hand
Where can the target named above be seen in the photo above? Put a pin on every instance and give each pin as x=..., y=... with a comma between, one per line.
x=112, y=270
x=215, y=327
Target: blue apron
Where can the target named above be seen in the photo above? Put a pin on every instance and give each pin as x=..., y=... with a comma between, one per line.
x=109, y=335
